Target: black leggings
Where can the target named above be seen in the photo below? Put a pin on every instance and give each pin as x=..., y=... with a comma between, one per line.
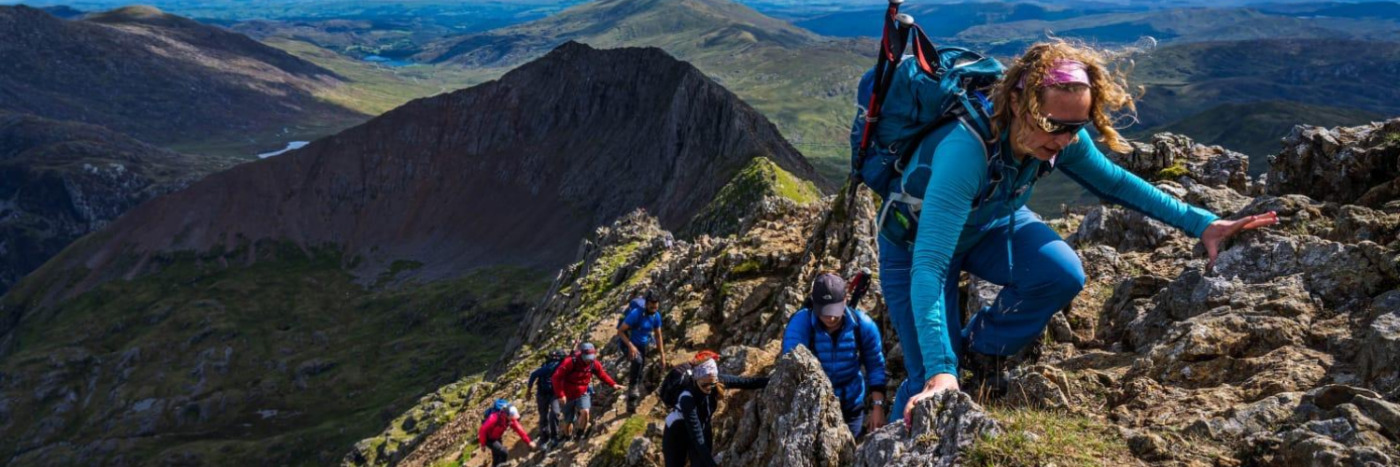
x=498, y=452
x=549, y=416
x=677, y=448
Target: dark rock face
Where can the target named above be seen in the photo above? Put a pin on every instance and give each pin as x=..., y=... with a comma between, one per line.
x=60, y=181
x=514, y=171
x=1358, y=165
x=157, y=77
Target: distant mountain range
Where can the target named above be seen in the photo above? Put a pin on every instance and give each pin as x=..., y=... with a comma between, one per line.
x=160, y=78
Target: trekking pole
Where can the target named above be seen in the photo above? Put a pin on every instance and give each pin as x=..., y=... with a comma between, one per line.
x=893, y=38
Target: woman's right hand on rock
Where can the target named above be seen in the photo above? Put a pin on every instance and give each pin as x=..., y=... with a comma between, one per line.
x=938, y=383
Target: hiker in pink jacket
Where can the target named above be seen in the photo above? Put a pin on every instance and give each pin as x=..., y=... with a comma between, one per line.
x=493, y=430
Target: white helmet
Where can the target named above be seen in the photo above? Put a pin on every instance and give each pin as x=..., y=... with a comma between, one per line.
x=514, y=414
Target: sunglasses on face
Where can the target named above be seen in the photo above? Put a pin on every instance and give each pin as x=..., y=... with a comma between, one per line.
x=1060, y=127
x=707, y=386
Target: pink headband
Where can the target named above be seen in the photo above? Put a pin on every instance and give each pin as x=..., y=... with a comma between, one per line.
x=1064, y=71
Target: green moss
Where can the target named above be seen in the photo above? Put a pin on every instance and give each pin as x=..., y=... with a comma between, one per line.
x=1044, y=437
x=615, y=451
x=759, y=179
x=1392, y=138
x=746, y=267
x=1172, y=173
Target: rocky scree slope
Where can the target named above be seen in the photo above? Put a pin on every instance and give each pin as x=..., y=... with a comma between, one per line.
x=62, y=180
x=1277, y=356
x=158, y=77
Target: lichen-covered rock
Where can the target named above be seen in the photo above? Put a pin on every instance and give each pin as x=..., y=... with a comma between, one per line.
x=642, y=453
x=1172, y=157
x=796, y=422
x=942, y=430
x=1382, y=344
x=1122, y=229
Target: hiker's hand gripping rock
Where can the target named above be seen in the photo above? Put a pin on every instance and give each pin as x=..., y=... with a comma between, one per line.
x=1222, y=230
x=939, y=383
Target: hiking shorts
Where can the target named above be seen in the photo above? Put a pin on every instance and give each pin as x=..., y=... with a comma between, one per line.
x=572, y=408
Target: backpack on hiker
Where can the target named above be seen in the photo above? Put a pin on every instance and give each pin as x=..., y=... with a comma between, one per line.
x=500, y=405
x=675, y=382
x=900, y=102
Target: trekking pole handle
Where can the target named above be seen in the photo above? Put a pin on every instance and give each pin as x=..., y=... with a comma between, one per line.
x=905, y=21
x=896, y=2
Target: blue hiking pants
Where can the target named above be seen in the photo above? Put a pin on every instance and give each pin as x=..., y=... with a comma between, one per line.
x=1048, y=275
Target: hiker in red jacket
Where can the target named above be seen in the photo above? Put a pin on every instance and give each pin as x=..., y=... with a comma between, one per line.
x=493, y=430
x=571, y=381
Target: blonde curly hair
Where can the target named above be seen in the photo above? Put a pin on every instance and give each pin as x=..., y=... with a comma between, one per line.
x=1109, y=87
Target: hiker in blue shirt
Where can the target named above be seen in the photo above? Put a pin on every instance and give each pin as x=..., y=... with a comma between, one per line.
x=637, y=332
x=541, y=380
x=1041, y=107
x=847, y=343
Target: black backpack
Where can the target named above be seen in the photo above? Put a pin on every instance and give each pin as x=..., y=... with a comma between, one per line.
x=675, y=383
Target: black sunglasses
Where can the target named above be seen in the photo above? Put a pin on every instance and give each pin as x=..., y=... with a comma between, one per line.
x=707, y=385
x=1060, y=127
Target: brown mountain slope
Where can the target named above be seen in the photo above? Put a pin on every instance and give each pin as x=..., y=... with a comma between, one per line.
x=514, y=171
x=158, y=77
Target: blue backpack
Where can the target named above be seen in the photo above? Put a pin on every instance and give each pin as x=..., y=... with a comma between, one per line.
x=904, y=99
x=498, y=406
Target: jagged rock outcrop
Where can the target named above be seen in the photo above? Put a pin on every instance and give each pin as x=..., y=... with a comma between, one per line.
x=795, y=422
x=941, y=431
x=1354, y=165
x=1171, y=156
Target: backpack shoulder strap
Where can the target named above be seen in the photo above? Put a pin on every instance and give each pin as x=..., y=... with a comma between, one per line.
x=860, y=331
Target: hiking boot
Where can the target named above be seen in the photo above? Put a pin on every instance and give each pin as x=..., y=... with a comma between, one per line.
x=990, y=378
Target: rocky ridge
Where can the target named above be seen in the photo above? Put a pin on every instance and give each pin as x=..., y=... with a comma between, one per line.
x=278, y=311
x=1277, y=356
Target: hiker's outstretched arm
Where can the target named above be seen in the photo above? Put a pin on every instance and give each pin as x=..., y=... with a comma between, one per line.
x=958, y=169
x=743, y=382
x=1084, y=163
x=603, y=374
x=519, y=430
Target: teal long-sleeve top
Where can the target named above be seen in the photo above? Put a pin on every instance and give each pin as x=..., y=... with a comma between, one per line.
x=949, y=226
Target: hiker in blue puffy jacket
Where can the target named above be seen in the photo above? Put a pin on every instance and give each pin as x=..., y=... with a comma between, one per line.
x=639, y=331
x=1041, y=107
x=847, y=343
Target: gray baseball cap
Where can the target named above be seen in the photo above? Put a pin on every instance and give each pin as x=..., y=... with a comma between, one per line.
x=829, y=295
